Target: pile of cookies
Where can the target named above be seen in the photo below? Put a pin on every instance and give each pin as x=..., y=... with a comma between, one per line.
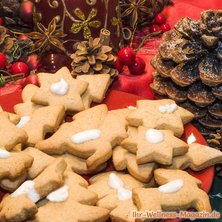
x=43, y=157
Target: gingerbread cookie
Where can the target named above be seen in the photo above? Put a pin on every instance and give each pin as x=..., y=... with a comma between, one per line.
x=12, y=117
x=178, y=190
x=10, y=135
x=151, y=145
x=98, y=85
x=43, y=120
x=72, y=202
x=60, y=89
x=113, y=188
x=27, y=107
x=197, y=158
x=123, y=159
x=92, y=135
x=160, y=114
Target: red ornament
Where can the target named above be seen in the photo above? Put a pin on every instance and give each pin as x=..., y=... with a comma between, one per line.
x=20, y=67
x=138, y=67
x=3, y=61
x=160, y=18
x=26, y=12
x=165, y=27
x=154, y=28
x=126, y=56
x=118, y=65
x=1, y=21
x=32, y=79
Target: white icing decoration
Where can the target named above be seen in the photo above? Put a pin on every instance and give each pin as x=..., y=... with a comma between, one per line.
x=86, y=136
x=60, y=88
x=59, y=195
x=116, y=183
x=169, y=108
x=171, y=187
x=191, y=139
x=28, y=188
x=23, y=121
x=4, y=154
x=154, y=136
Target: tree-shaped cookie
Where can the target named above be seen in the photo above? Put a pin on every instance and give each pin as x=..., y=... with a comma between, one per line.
x=43, y=120
x=123, y=159
x=160, y=114
x=151, y=145
x=27, y=107
x=10, y=135
x=72, y=202
x=178, y=191
x=114, y=188
x=98, y=85
x=197, y=158
x=60, y=89
x=91, y=136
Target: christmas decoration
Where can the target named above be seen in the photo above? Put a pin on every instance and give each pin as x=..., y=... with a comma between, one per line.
x=20, y=67
x=94, y=57
x=189, y=70
x=10, y=12
x=81, y=19
x=138, y=67
x=32, y=79
x=126, y=56
x=2, y=61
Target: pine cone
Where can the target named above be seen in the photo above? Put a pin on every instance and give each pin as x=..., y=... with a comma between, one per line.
x=189, y=69
x=93, y=58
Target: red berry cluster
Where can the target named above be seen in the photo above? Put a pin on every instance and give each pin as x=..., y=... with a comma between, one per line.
x=127, y=57
x=159, y=24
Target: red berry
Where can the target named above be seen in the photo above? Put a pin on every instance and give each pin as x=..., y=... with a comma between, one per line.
x=32, y=79
x=33, y=62
x=26, y=12
x=160, y=18
x=154, y=28
x=126, y=56
x=3, y=61
x=165, y=27
x=118, y=65
x=138, y=67
x=1, y=21
x=20, y=67
x=23, y=37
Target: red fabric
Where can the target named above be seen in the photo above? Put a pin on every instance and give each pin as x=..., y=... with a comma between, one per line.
x=139, y=85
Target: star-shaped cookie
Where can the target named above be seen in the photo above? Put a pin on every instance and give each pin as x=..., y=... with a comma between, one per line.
x=160, y=114
x=92, y=135
x=60, y=89
x=152, y=145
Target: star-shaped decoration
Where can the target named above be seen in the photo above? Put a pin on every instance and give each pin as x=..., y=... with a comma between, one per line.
x=158, y=146
x=92, y=135
x=160, y=114
x=60, y=89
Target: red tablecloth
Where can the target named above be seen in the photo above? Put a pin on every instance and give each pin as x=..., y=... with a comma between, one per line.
x=139, y=85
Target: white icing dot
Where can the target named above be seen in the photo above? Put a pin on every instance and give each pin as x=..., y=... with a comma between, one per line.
x=169, y=108
x=171, y=187
x=86, y=136
x=23, y=121
x=60, y=88
x=154, y=136
x=191, y=139
x=116, y=183
x=4, y=154
x=59, y=195
x=28, y=188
